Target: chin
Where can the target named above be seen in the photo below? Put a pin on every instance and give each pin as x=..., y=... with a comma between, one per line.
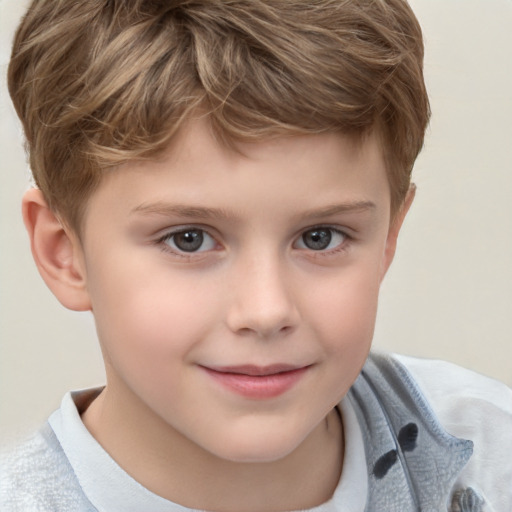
x=258, y=448
x=256, y=455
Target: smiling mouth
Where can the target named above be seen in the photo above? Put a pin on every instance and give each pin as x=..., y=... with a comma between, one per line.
x=257, y=382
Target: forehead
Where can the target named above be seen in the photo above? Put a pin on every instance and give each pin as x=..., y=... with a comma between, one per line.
x=286, y=173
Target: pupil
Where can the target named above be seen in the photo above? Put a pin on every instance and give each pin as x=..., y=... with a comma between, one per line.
x=317, y=239
x=189, y=241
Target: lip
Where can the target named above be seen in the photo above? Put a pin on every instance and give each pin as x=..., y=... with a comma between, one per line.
x=257, y=382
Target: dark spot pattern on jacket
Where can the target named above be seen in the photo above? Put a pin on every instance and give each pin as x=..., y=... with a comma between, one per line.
x=408, y=436
x=384, y=464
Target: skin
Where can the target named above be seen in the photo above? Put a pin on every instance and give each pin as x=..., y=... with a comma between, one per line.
x=253, y=293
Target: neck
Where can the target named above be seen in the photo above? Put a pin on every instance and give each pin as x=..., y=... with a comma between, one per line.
x=173, y=467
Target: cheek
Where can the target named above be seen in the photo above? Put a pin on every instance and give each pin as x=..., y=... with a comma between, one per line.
x=345, y=309
x=147, y=313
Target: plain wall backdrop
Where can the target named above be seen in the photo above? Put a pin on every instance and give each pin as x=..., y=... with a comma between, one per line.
x=449, y=292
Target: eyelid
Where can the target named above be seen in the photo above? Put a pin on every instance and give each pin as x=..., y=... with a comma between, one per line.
x=169, y=231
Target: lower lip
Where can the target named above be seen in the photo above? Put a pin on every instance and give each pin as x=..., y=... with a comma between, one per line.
x=258, y=387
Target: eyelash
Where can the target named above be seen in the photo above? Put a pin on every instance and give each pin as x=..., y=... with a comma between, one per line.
x=342, y=247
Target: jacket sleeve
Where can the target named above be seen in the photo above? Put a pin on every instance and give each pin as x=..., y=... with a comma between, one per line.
x=471, y=406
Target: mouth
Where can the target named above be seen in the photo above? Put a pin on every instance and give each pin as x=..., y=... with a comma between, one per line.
x=257, y=382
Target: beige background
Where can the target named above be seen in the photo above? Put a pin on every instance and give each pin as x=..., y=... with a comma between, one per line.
x=449, y=293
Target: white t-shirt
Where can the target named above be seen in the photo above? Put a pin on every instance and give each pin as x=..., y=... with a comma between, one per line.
x=110, y=489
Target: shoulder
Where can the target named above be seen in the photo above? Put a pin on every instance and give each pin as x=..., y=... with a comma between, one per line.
x=472, y=406
x=443, y=382
x=35, y=475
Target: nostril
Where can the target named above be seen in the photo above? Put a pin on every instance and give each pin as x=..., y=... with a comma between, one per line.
x=262, y=329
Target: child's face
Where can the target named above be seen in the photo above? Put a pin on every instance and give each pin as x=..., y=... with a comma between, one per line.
x=235, y=295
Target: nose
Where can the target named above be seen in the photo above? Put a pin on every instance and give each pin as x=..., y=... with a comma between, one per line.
x=263, y=303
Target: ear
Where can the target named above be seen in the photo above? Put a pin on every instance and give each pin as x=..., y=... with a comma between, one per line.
x=394, y=229
x=57, y=252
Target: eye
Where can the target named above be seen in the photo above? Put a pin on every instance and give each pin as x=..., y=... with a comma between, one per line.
x=321, y=239
x=189, y=240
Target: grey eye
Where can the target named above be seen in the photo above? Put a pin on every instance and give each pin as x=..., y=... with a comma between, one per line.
x=320, y=239
x=191, y=240
x=188, y=241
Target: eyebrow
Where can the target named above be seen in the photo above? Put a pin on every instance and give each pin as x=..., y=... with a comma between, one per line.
x=170, y=210
x=348, y=207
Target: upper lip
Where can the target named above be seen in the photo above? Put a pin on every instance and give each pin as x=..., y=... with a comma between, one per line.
x=256, y=371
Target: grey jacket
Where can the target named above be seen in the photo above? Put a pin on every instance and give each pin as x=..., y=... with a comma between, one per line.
x=412, y=461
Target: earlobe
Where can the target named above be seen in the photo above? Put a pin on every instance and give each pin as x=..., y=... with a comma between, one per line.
x=56, y=251
x=394, y=229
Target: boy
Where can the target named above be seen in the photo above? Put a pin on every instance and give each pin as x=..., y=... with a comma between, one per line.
x=222, y=184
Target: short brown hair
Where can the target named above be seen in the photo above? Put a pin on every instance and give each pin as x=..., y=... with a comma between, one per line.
x=100, y=82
